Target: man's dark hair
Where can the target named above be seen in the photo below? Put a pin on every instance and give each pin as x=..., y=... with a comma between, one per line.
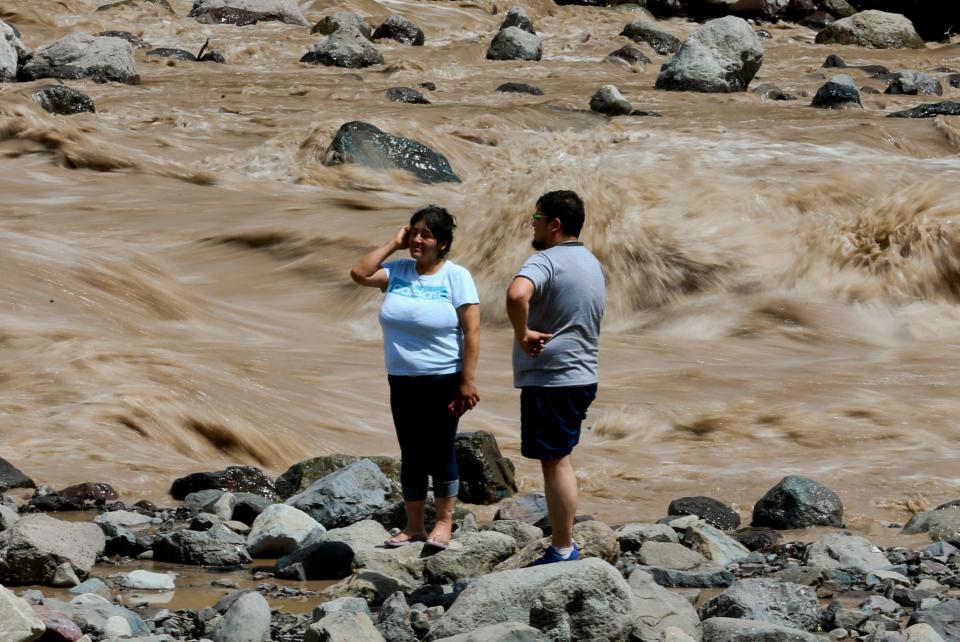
x=440, y=223
x=566, y=206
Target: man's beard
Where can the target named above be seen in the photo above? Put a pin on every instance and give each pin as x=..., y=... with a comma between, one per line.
x=538, y=245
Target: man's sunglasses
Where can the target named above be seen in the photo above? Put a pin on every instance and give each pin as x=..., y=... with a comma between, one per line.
x=536, y=216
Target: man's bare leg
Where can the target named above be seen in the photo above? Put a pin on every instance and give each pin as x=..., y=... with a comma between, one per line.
x=560, y=487
x=444, y=527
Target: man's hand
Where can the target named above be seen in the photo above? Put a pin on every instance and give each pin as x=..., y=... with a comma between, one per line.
x=532, y=342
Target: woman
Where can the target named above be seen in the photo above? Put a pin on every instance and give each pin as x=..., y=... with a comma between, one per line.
x=431, y=338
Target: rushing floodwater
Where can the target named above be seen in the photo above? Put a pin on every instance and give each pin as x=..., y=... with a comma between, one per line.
x=783, y=281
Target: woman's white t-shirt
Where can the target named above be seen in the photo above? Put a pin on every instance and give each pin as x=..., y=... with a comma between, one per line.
x=421, y=329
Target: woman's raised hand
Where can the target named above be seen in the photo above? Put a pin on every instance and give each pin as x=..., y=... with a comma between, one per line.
x=401, y=237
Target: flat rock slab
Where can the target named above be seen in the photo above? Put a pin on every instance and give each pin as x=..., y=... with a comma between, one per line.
x=287, y=11
x=846, y=552
x=722, y=629
x=33, y=549
x=767, y=600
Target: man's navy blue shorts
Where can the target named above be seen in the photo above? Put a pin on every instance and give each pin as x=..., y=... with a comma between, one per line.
x=550, y=419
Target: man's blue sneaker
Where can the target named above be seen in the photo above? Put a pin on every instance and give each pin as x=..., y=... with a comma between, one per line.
x=551, y=555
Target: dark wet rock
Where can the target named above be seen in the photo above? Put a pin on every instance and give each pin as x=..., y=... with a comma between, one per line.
x=582, y=600
x=346, y=48
x=726, y=629
x=954, y=80
x=162, y=5
x=11, y=476
x=429, y=86
x=834, y=61
x=35, y=546
x=798, y=502
x=708, y=509
x=364, y=144
x=765, y=10
x=136, y=41
x=247, y=11
x=80, y=55
x=400, y=29
x=627, y=55
x=914, y=83
x=517, y=17
x=519, y=88
x=676, y=578
x=318, y=561
x=346, y=20
x=869, y=90
x=213, y=56
x=13, y=54
x=876, y=29
x=721, y=56
x=756, y=538
x=944, y=618
x=529, y=508
x=763, y=34
x=346, y=496
x=236, y=479
x=486, y=476
x=513, y=43
x=817, y=20
x=168, y=52
x=837, y=93
x=91, y=491
x=951, y=504
x=609, y=101
x=54, y=503
x=406, y=95
x=838, y=8
x=766, y=600
x=874, y=71
x=247, y=506
x=301, y=475
x=120, y=541
x=643, y=31
x=215, y=547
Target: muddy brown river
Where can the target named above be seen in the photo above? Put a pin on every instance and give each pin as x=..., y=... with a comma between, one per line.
x=783, y=281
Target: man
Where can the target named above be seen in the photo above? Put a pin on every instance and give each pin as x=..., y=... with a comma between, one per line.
x=555, y=304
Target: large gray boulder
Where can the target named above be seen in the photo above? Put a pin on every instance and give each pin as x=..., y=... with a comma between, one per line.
x=721, y=56
x=766, y=600
x=914, y=83
x=279, y=530
x=80, y=55
x=35, y=546
x=658, y=609
x=301, y=475
x=724, y=629
x=18, y=622
x=247, y=620
x=469, y=555
x=877, y=29
x=513, y=43
x=349, y=495
x=12, y=54
x=715, y=545
x=582, y=600
x=347, y=48
x=287, y=11
x=215, y=547
x=798, y=502
x=364, y=144
x=846, y=552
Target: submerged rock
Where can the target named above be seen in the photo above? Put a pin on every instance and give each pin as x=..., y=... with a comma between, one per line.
x=609, y=101
x=136, y=41
x=162, y=5
x=627, y=55
x=871, y=28
x=80, y=55
x=63, y=100
x=347, y=48
x=242, y=12
x=400, y=29
x=513, y=43
x=721, y=56
x=643, y=31
x=519, y=88
x=175, y=54
x=837, y=93
x=406, y=95
x=914, y=83
x=364, y=144
x=798, y=502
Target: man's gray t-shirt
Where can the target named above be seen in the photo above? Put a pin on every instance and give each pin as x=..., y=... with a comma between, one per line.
x=568, y=302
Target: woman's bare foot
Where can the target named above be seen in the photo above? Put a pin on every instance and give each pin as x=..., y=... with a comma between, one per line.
x=406, y=537
x=440, y=535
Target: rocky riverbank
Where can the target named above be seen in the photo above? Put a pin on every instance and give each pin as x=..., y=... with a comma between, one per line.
x=695, y=574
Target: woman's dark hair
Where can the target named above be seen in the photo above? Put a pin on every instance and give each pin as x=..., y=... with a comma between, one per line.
x=566, y=206
x=440, y=223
